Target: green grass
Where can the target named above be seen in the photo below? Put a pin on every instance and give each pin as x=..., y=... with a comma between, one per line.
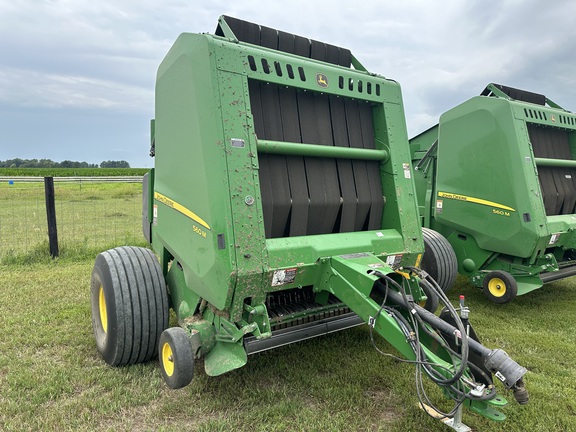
x=71, y=172
x=52, y=377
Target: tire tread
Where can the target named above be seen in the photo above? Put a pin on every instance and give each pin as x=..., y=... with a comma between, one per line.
x=140, y=303
x=439, y=260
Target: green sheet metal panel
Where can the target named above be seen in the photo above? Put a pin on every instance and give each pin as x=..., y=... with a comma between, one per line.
x=191, y=184
x=484, y=167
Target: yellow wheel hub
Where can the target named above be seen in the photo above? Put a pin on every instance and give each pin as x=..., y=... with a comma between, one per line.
x=103, y=311
x=167, y=359
x=497, y=287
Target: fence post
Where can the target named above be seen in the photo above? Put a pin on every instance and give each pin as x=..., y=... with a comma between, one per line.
x=51, y=216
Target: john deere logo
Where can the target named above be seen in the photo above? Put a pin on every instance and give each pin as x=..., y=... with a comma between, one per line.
x=322, y=80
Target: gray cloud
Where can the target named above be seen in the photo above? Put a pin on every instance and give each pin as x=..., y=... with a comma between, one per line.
x=87, y=68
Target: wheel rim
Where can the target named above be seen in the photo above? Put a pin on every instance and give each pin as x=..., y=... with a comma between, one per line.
x=167, y=359
x=102, y=307
x=497, y=287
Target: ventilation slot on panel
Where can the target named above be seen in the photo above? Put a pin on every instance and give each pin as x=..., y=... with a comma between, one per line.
x=535, y=114
x=358, y=86
x=278, y=68
x=252, y=63
x=265, y=66
x=566, y=120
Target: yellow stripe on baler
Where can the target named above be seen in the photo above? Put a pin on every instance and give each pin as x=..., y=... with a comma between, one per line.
x=180, y=208
x=459, y=197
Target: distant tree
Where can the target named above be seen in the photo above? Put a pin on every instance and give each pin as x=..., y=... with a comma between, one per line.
x=14, y=163
x=115, y=164
x=47, y=163
x=29, y=163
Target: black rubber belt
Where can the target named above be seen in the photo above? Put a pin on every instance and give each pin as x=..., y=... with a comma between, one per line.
x=359, y=167
x=545, y=175
x=568, y=175
x=557, y=183
x=306, y=195
x=373, y=168
x=349, y=208
x=273, y=130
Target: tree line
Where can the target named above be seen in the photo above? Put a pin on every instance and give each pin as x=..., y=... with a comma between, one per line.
x=47, y=163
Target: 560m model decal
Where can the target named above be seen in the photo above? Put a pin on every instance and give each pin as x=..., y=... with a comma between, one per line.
x=180, y=208
x=458, y=197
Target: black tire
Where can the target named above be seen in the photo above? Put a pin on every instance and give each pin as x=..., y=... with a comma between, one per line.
x=176, y=358
x=129, y=305
x=500, y=286
x=439, y=259
x=432, y=300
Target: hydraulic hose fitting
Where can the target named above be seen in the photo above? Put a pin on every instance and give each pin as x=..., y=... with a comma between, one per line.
x=520, y=392
x=509, y=372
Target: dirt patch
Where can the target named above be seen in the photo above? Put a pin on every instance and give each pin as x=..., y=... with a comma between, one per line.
x=385, y=406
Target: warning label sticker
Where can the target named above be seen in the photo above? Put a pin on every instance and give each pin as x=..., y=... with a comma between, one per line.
x=406, y=168
x=355, y=255
x=284, y=277
x=438, y=206
x=394, y=260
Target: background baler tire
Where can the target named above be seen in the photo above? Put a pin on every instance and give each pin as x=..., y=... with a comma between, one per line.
x=439, y=259
x=500, y=287
x=176, y=357
x=129, y=305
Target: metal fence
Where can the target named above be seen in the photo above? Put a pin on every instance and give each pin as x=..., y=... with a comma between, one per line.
x=90, y=213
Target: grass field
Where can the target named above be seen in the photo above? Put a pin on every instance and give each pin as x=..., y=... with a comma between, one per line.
x=89, y=216
x=72, y=172
x=52, y=377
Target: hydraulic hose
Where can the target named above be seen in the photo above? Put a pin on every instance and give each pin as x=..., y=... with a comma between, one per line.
x=496, y=360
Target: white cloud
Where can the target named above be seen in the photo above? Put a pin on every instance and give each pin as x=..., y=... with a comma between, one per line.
x=70, y=91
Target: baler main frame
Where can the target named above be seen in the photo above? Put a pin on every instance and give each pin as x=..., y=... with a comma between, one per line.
x=282, y=207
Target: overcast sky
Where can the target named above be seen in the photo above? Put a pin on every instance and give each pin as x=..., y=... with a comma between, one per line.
x=77, y=76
